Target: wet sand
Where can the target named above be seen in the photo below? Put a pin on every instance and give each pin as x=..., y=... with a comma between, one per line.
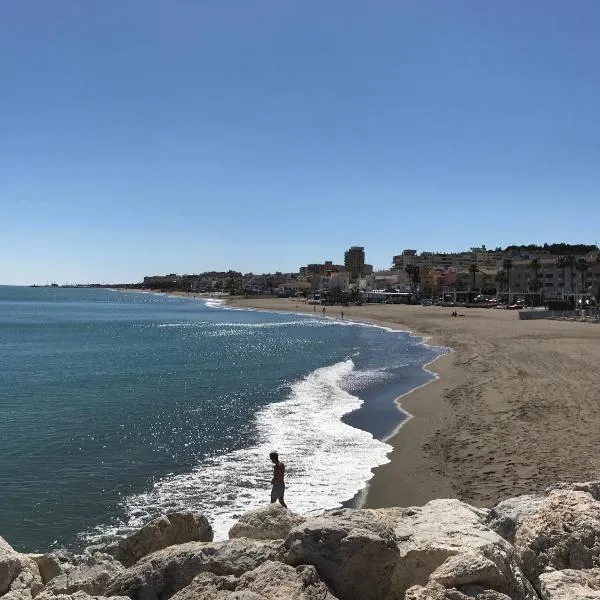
x=516, y=406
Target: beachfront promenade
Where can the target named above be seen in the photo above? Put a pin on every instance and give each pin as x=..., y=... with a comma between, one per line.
x=515, y=407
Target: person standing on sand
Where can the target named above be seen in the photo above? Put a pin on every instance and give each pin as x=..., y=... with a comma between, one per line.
x=278, y=489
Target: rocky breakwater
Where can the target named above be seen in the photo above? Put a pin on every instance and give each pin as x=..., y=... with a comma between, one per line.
x=541, y=546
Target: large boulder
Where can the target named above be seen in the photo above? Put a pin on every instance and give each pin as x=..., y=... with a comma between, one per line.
x=10, y=565
x=355, y=551
x=162, y=532
x=570, y=585
x=19, y=575
x=468, y=575
x=446, y=542
x=563, y=533
x=270, y=522
x=270, y=581
x=380, y=554
x=161, y=574
x=88, y=573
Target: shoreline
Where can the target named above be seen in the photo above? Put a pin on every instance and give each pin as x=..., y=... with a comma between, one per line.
x=512, y=409
x=413, y=402
x=376, y=493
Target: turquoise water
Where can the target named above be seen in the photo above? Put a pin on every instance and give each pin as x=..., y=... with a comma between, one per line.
x=116, y=406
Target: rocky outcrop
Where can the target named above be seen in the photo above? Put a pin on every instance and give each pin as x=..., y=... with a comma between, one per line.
x=270, y=522
x=570, y=585
x=563, y=533
x=355, y=551
x=380, y=554
x=444, y=550
x=20, y=577
x=88, y=573
x=162, y=532
x=161, y=574
x=272, y=580
x=447, y=542
x=10, y=565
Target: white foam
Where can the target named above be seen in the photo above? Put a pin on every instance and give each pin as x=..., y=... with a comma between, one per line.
x=219, y=325
x=327, y=461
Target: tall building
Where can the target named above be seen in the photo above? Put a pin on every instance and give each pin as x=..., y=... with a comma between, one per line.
x=354, y=261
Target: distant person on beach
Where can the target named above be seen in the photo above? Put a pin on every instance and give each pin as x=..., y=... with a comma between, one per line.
x=342, y=315
x=323, y=309
x=278, y=489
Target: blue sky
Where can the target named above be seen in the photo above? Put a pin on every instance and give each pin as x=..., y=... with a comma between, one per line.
x=146, y=137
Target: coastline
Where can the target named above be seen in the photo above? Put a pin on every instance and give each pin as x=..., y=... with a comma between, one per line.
x=513, y=407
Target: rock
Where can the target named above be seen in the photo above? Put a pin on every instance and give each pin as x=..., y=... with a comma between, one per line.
x=51, y=564
x=88, y=573
x=380, y=554
x=506, y=516
x=354, y=550
x=446, y=539
x=269, y=581
x=591, y=487
x=432, y=591
x=435, y=591
x=563, y=533
x=76, y=596
x=570, y=585
x=271, y=522
x=10, y=565
x=19, y=574
x=162, y=532
x=165, y=572
x=468, y=568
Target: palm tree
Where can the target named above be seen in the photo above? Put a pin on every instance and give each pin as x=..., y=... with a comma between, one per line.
x=561, y=263
x=414, y=274
x=582, y=265
x=535, y=265
x=507, y=265
x=500, y=279
x=409, y=271
x=473, y=269
x=571, y=264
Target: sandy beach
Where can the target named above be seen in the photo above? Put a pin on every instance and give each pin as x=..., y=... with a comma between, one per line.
x=516, y=406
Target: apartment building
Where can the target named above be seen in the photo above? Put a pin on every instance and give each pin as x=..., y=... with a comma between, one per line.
x=556, y=282
x=354, y=262
x=461, y=261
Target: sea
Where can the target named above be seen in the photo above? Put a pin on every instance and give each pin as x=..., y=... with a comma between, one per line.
x=119, y=406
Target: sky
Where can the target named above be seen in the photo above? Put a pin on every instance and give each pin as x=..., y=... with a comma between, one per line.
x=150, y=137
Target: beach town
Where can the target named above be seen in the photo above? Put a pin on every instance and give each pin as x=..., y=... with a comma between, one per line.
x=513, y=276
